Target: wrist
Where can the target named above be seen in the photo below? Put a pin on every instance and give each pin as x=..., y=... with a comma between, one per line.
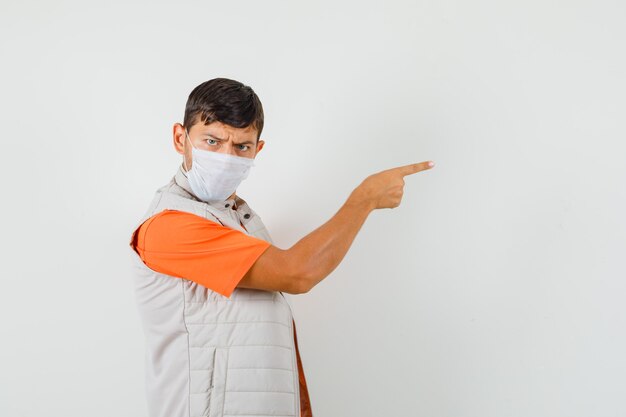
x=361, y=201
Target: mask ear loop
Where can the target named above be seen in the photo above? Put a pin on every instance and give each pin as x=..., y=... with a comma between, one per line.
x=185, y=159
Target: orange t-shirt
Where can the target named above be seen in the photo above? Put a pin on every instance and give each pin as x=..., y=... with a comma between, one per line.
x=188, y=246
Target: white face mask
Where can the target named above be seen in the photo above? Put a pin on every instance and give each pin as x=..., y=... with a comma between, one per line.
x=215, y=176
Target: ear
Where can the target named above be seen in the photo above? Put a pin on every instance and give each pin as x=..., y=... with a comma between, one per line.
x=259, y=146
x=178, y=135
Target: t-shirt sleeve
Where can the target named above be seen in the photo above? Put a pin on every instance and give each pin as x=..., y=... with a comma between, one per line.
x=188, y=246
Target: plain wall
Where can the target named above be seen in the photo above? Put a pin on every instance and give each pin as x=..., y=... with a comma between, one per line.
x=496, y=289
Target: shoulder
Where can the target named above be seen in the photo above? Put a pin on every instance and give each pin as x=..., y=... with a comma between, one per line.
x=174, y=231
x=174, y=222
x=169, y=229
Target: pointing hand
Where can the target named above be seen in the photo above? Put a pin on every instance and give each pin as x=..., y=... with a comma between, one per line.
x=385, y=188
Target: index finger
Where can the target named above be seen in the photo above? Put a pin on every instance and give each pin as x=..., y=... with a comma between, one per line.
x=413, y=168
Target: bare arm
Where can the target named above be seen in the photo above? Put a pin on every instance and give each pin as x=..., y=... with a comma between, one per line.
x=301, y=267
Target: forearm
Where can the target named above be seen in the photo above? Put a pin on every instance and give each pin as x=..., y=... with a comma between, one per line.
x=317, y=254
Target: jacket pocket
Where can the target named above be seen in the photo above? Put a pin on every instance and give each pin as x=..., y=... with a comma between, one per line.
x=218, y=382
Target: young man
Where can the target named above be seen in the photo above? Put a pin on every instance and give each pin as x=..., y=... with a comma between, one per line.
x=220, y=335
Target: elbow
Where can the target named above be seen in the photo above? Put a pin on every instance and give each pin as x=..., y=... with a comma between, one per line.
x=303, y=269
x=309, y=276
x=302, y=285
x=301, y=277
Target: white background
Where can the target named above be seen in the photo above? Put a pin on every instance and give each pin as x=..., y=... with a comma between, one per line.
x=496, y=289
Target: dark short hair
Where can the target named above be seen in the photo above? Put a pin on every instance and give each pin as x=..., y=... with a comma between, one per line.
x=227, y=101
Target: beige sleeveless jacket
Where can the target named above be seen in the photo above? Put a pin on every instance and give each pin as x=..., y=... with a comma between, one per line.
x=207, y=354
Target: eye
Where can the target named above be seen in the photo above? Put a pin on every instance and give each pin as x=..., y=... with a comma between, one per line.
x=209, y=141
x=245, y=146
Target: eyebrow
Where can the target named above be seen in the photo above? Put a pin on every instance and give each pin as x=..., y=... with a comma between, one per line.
x=213, y=136
x=220, y=139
